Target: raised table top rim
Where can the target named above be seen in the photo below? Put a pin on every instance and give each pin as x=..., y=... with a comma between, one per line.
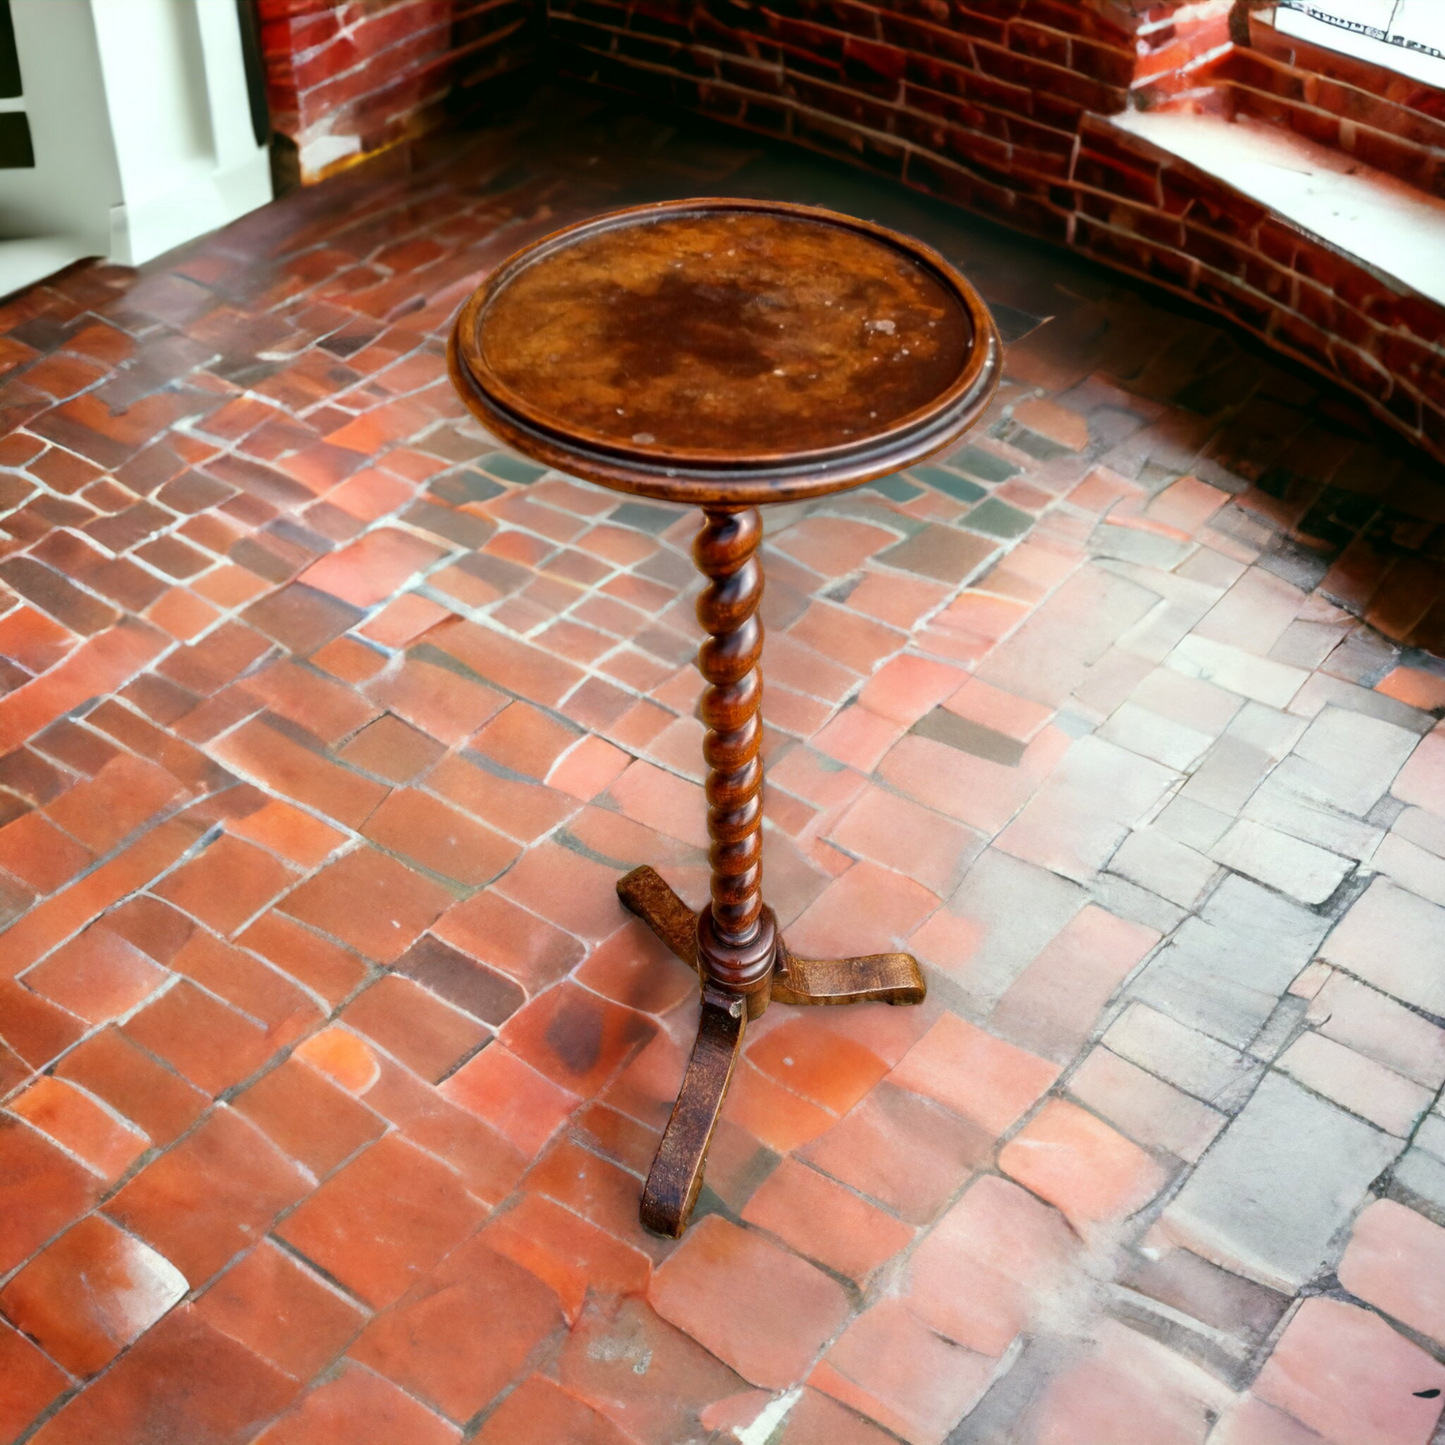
x=745, y=481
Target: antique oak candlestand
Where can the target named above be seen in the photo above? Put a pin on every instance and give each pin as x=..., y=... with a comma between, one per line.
x=724, y=354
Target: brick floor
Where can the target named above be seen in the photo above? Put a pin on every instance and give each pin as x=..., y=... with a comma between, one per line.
x=331, y=1066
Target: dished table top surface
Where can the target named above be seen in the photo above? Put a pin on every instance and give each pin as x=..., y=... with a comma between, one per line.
x=749, y=347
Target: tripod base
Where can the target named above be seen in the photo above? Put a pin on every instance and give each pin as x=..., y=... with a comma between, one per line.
x=676, y=1177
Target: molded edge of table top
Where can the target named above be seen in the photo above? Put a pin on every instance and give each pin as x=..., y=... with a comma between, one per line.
x=667, y=476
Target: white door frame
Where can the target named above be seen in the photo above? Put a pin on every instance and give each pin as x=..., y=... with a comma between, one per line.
x=141, y=124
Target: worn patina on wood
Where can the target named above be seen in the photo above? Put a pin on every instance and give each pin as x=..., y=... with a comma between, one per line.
x=728, y=353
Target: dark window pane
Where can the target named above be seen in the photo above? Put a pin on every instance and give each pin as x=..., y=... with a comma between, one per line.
x=9, y=60
x=16, y=152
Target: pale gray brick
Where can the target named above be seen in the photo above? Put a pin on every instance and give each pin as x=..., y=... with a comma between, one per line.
x=1193, y=1061
x=1143, y=1106
x=1051, y=654
x=1191, y=596
x=1225, y=779
x=1279, y=1028
x=1430, y=1136
x=1270, y=1197
x=1356, y=1083
x=1129, y=544
x=1224, y=971
x=1307, y=644
x=1125, y=785
x=1267, y=728
x=1138, y=905
x=1423, y=828
x=1254, y=613
x=1411, y=867
x=1187, y=700
x=1294, y=867
x=1346, y=760
x=1108, y=683
x=1396, y=941
x=1377, y=1026
x=1154, y=860
x=1238, y=671
x=1174, y=744
x=1364, y=656
x=1275, y=805
x=1423, y=1176
x=1192, y=822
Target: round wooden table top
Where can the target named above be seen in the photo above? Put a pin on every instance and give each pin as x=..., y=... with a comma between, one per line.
x=726, y=351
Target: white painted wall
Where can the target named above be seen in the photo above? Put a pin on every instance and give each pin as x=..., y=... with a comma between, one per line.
x=76, y=178
x=155, y=87
x=142, y=132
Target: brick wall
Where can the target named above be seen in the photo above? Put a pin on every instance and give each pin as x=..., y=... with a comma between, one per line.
x=1388, y=121
x=349, y=77
x=1002, y=106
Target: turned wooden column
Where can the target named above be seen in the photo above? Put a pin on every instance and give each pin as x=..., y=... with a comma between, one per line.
x=736, y=938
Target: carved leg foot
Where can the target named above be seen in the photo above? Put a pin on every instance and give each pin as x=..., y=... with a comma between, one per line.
x=875, y=978
x=644, y=893
x=672, y=1186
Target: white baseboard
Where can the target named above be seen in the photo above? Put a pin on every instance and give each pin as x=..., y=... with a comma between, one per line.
x=22, y=263
x=140, y=231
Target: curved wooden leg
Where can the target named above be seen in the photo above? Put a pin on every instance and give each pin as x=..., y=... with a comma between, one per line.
x=677, y=1171
x=875, y=978
x=672, y=1186
x=644, y=893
